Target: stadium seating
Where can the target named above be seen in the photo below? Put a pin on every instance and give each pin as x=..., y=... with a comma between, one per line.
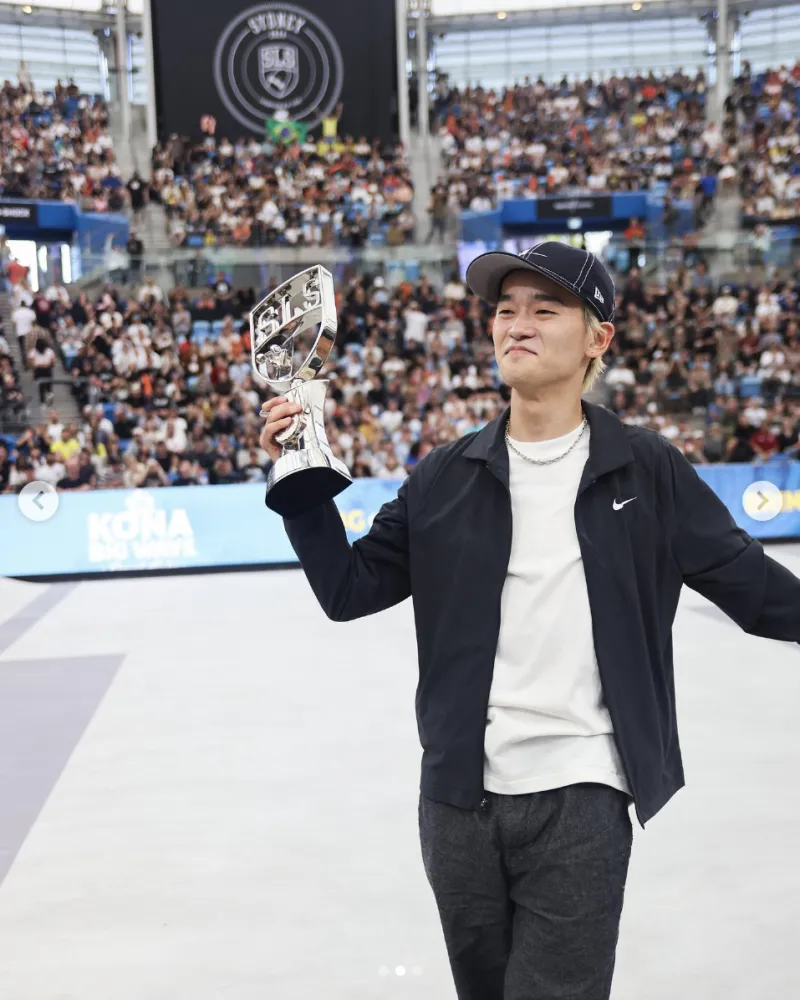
x=57, y=145
x=622, y=134
x=365, y=201
x=715, y=369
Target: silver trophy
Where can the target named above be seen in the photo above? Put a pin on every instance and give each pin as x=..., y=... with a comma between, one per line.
x=292, y=332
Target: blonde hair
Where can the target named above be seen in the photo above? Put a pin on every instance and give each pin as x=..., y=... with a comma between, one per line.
x=596, y=366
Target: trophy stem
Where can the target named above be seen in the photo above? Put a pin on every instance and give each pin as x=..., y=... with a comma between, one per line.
x=306, y=449
x=307, y=430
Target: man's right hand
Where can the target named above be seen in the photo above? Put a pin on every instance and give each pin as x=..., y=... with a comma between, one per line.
x=279, y=413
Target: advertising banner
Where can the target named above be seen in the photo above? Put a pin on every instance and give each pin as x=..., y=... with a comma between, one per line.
x=244, y=64
x=588, y=207
x=107, y=531
x=18, y=213
x=739, y=488
x=180, y=527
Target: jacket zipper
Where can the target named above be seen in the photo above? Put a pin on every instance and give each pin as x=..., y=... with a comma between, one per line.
x=581, y=530
x=498, y=619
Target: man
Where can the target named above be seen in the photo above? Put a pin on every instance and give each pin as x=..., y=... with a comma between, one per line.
x=149, y=291
x=24, y=319
x=5, y=467
x=137, y=189
x=544, y=555
x=135, y=250
x=186, y=475
x=73, y=481
x=68, y=445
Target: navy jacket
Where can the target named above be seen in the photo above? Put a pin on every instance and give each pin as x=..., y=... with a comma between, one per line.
x=446, y=541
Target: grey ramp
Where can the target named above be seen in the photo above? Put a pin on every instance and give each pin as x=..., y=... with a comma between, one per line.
x=45, y=706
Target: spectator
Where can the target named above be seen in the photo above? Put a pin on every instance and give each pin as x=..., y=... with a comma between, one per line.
x=764, y=442
x=67, y=446
x=186, y=476
x=620, y=134
x=5, y=467
x=714, y=444
x=41, y=360
x=137, y=190
x=438, y=211
x=24, y=320
x=48, y=468
x=135, y=250
x=57, y=146
x=271, y=193
x=153, y=475
x=73, y=481
x=412, y=368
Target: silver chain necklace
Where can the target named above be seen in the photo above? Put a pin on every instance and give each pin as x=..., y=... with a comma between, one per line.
x=547, y=461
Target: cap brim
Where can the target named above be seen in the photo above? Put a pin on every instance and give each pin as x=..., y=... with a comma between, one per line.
x=485, y=275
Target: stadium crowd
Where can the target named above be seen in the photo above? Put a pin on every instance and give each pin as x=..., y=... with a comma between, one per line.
x=623, y=133
x=763, y=123
x=312, y=192
x=163, y=379
x=266, y=192
x=57, y=145
x=619, y=134
x=167, y=396
x=12, y=399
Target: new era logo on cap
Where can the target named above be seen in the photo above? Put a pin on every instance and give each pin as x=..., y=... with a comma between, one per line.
x=579, y=271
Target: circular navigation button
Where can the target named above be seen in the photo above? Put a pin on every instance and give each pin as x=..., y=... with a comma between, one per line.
x=762, y=500
x=38, y=501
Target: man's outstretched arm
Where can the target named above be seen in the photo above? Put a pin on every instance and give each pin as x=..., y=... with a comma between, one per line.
x=724, y=563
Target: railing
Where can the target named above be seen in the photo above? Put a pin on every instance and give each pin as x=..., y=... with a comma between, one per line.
x=754, y=254
x=258, y=267
x=14, y=418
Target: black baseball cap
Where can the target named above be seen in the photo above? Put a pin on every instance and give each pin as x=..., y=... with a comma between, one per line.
x=579, y=271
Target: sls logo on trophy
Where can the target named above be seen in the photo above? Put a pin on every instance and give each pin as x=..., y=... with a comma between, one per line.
x=277, y=59
x=292, y=332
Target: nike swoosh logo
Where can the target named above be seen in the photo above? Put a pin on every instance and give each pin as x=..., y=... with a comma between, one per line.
x=619, y=506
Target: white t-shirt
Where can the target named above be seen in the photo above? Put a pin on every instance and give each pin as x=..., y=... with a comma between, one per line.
x=50, y=473
x=24, y=318
x=42, y=359
x=416, y=326
x=547, y=725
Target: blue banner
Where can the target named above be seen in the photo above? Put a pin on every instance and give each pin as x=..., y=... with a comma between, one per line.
x=217, y=526
x=532, y=216
x=60, y=222
x=179, y=527
x=729, y=482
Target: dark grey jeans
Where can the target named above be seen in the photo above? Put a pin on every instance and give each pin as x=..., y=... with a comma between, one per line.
x=529, y=890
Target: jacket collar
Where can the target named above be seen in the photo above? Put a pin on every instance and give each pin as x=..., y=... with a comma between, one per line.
x=609, y=447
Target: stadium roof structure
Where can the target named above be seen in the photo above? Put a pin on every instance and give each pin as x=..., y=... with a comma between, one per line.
x=442, y=15
x=75, y=6
x=483, y=15
x=88, y=14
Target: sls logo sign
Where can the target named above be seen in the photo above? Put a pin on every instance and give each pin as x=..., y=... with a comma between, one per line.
x=278, y=59
x=141, y=535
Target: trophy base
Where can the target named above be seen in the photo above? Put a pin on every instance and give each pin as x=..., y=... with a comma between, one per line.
x=302, y=480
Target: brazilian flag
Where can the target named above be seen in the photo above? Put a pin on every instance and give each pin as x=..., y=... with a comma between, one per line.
x=287, y=132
